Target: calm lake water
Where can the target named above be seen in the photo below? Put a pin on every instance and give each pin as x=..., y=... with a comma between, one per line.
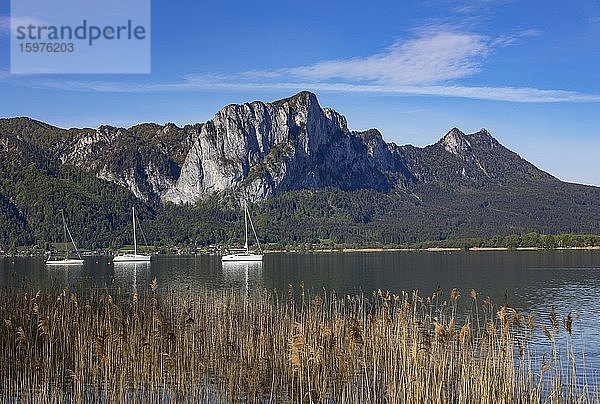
x=531, y=281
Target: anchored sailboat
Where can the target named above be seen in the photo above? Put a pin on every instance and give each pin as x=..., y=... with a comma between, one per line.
x=66, y=260
x=135, y=257
x=245, y=254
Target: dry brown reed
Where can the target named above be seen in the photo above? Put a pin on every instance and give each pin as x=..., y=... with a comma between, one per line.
x=227, y=346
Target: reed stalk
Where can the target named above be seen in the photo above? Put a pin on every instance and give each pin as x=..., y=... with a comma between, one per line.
x=227, y=346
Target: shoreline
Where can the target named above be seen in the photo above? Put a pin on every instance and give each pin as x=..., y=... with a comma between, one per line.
x=430, y=249
x=359, y=250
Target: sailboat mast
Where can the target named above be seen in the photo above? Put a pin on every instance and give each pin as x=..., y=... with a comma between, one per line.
x=246, y=225
x=134, y=237
x=254, y=231
x=62, y=213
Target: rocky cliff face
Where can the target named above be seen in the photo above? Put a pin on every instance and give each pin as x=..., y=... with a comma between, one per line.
x=124, y=158
x=259, y=149
x=143, y=159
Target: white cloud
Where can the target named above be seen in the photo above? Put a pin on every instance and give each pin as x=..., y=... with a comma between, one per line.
x=515, y=37
x=204, y=83
x=433, y=57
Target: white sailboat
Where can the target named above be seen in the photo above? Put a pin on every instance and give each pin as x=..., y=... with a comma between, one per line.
x=135, y=257
x=66, y=260
x=245, y=255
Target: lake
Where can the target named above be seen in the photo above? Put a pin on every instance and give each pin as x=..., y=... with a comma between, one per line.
x=530, y=281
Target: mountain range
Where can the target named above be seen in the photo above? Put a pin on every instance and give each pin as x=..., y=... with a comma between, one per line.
x=309, y=176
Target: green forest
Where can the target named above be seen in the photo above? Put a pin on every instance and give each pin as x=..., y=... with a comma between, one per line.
x=99, y=216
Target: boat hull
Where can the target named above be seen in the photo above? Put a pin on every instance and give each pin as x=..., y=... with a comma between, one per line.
x=132, y=258
x=64, y=262
x=242, y=258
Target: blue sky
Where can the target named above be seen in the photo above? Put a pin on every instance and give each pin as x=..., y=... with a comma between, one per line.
x=525, y=70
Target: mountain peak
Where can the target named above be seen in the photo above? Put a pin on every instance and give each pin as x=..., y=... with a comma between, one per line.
x=483, y=133
x=455, y=142
x=301, y=98
x=483, y=138
x=455, y=132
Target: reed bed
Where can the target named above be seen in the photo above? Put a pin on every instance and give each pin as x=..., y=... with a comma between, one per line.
x=227, y=346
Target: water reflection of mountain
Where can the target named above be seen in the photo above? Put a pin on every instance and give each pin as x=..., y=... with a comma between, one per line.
x=17, y=272
x=523, y=275
x=31, y=272
x=65, y=275
x=131, y=276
